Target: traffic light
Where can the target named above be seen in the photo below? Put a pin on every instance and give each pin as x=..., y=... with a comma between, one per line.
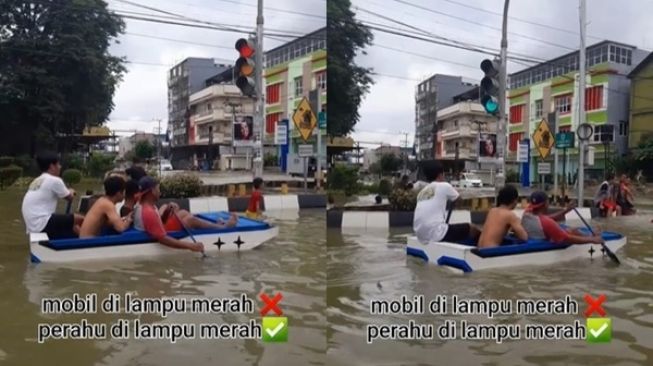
x=490, y=86
x=245, y=67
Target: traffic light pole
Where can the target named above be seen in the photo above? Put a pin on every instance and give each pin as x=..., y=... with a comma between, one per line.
x=581, y=106
x=260, y=103
x=501, y=131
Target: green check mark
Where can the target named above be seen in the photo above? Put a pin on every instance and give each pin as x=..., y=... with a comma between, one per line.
x=599, y=330
x=275, y=329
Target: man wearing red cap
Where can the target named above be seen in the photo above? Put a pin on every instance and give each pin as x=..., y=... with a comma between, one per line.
x=539, y=225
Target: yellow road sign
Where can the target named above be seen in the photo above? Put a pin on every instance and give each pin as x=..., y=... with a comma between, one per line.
x=543, y=139
x=304, y=119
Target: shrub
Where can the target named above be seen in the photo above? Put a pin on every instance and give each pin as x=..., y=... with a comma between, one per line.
x=98, y=164
x=403, y=200
x=385, y=187
x=9, y=174
x=181, y=185
x=71, y=176
x=512, y=176
x=73, y=161
x=28, y=163
x=343, y=177
x=270, y=160
x=5, y=161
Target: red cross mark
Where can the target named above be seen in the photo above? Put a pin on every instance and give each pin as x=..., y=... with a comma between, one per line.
x=594, y=305
x=271, y=304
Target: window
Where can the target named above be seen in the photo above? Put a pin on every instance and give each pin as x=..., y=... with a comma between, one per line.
x=564, y=129
x=299, y=90
x=623, y=128
x=538, y=108
x=272, y=94
x=514, y=139
x=321, y=80
x=209, y=107
x=271, y=122
x=563, y=104
x=517, y=113
x=603, y=133
x=594, y=98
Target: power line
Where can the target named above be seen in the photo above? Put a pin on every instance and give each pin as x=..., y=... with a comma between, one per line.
x=393, y=76
x=424, y=56
x=275, y=9
x=178, y=40
x=482, y=25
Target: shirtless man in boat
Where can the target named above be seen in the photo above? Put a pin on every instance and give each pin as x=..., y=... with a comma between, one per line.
x=103, y=214
x=539, y=225
x=501, y=219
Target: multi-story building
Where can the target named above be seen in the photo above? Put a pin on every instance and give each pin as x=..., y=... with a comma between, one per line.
x=184, y=79
x=213, y=110
x=459, y=128
x=552, y=86
x=295, y=70
x=641, y=103
x=435, y=93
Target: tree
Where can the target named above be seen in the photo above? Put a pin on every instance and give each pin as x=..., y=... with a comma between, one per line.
x=347, y=82
x=144, y=150
x=57, y=75
x=389, y=163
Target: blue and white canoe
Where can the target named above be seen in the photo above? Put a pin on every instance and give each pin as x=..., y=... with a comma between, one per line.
x=247, y=234
x=466, y=257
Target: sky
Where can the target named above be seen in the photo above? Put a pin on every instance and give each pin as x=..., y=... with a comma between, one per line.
x=389, y=108
x=142, y=98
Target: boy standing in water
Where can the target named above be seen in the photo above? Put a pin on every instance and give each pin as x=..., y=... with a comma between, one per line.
x=254, y=206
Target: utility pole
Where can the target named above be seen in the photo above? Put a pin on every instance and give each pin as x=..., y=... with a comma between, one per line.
x=501, y=130
x=478, y=142
x=260, y=102
x=405, y=156
x=581, y=106
x=158, y=145
x=233, y=122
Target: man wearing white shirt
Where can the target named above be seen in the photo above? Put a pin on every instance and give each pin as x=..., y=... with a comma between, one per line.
x=40, y=202
x=429, y=221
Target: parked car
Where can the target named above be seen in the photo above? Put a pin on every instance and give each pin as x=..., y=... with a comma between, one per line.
x=468, y=180
x=165, y=164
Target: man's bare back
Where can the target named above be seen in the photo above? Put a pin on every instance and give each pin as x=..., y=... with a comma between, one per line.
x=499, y=220
x=102, y=214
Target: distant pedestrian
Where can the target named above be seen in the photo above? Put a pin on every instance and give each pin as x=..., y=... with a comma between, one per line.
x=254, y=210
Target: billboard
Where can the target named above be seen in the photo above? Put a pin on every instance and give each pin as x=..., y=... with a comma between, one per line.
x=487, y=147
x=243, y=131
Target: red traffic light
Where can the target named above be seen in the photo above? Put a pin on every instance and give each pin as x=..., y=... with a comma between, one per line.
x=245, y=48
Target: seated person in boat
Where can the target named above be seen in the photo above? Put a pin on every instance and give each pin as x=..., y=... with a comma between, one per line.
x=174, y=218
x=131, y=191
x=146, y=217
x=430, y=218
x=103, y=215
x=254, y=205
x=539, y=225
x=40, y=202
x=502, y=219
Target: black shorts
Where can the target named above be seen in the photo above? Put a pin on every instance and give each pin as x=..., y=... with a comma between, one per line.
x=60, y=226
x=457, y=232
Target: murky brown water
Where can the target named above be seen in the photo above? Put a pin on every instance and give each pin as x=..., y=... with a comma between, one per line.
x=369, y=266
x=293, y=263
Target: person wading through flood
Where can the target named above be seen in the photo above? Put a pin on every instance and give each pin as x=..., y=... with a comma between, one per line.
x=40, y=202
x=103, y=215
x=501, y=219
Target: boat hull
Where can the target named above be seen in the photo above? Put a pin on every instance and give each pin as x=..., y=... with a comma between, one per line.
x=467, y=258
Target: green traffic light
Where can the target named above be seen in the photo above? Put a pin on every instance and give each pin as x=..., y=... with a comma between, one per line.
x=490, y=104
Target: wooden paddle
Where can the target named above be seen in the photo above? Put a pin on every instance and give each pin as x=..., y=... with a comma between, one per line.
x=605, y=247
x=188, y=232
x=451, y=204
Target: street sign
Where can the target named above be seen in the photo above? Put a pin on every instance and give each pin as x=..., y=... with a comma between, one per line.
x=564, y=140
x=281, y=134
x=543, y=139
x=305, y=151
x=322, y=120
x=304, y=119
x=543, y=168
x=522, y=153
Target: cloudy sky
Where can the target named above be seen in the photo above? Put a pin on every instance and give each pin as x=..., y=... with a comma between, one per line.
x=542, y=29
x=142, y=96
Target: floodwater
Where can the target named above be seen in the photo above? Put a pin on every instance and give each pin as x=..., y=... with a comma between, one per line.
x=292, y=263
x=365, y=266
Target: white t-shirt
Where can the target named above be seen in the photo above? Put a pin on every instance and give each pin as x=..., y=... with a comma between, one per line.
x=429, y=221
x=40, y=201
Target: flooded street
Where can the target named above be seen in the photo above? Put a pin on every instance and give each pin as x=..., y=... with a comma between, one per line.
x=293, y=263
x=367, y=266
